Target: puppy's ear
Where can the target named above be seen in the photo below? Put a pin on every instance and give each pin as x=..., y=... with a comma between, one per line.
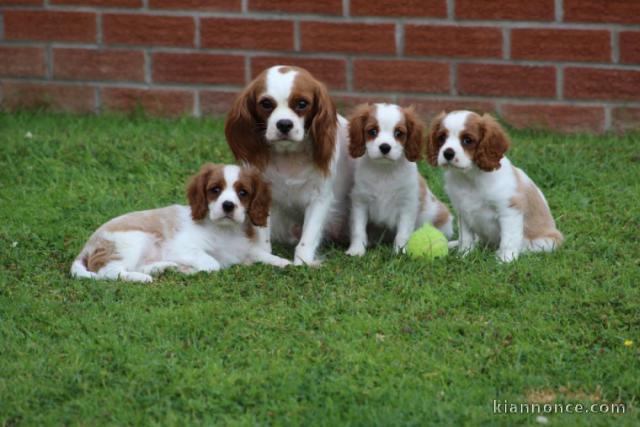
x=357, y=121
x=324, y=126
x=260, y=199
x=244, y=129
x=433, y=145
x=493, y=143
x=197, y=192
x=415, y=135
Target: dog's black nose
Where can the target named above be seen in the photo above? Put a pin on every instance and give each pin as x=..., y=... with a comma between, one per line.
x=449, y=153
x=384, y=148
x=228, y=206
x=284, y=125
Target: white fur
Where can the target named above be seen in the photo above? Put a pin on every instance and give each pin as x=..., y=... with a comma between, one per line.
x=386, y=190
x=483, y=200
x=307, y=205
x=216, y=242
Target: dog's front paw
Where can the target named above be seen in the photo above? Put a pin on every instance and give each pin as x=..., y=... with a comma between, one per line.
x=356, y=250
x=308, y=262
x=507, y=255
x=281, y=262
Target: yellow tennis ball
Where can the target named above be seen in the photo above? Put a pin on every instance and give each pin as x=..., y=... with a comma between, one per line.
x=427, y=243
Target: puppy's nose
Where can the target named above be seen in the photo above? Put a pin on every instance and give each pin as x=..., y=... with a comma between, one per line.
x=449, y=153
x=228, y=206
x=384, y=148
x=284, y=125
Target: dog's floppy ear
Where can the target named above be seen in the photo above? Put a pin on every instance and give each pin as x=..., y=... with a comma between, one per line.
x=197, y=191
x=357, y=121
x=243, y=128
x=324, y=127
x=433, y=144
x=415, y=135
x=493, y=143
x=260, y=198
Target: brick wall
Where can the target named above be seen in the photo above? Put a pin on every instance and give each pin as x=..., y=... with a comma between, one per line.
x=571, y=65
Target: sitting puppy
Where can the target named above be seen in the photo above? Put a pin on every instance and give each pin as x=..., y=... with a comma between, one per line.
x=497, y=203
x=217, y=230
x=388, y=190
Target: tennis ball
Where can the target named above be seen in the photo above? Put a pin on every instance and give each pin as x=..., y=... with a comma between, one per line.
x=427, y=243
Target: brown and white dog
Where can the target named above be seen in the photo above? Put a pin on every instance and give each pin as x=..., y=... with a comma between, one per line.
x=218, y=229
x=497, y=203
x=285, y=124
x=388, y=191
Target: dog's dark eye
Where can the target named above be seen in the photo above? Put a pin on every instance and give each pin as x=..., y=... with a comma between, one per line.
x=467, y=141
x=373, y=132
x=214, y=190
x=442, y=138
x=302, y=104
x=398, y=133
x=243, y=193
x=266, y=104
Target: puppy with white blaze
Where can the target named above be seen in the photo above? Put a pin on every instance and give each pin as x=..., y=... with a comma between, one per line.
x=388, y=191
x=227, y=205
x=285, y=124
x=497, y=204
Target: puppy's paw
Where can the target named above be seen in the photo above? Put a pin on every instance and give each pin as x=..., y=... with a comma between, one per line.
x=281, y=262
x=356, y=250
x=310, y=263
x=507, y=255
x=134, y=276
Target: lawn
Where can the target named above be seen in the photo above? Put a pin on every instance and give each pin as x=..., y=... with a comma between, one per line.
x=381, y=340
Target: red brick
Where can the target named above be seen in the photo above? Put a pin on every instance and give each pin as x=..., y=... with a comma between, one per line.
x=348, y=37
x=326, y=7
x=402, y=76
x=626, y=119
x=216, y=102
x=154, y=101
x=609, y=11
x=563, y=45
x=148, y=30
x=79, y=99
x=45, y=25
x=21, y=2
x=100, y=3
x=346, y=103
x=594, y=83
x=453, y=41
x=630, y=47
x=428, y=108
x=211, y=5
x=90, y=64
x=410, y=8
x=530, y=10
x=22, y=61
x=506, y=80
x=224, y=33
x=198, y=68
x=563, y=118
x=332, y=72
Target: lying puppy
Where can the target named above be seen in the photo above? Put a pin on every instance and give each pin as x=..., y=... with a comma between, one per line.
x=388, y=190
x=497, y=203
x=217, y=230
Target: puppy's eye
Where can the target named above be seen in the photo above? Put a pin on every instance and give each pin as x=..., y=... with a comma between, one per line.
x=302, y=104
x=442, y=138
x=398, y=133
x=243, y=193
x=215, y=190
x=373, y=132
x=467, y=141
x=266, y=104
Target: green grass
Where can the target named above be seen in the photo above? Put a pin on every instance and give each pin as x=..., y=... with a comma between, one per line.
x=381, y=340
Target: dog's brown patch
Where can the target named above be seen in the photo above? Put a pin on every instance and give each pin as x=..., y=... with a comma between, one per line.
x=538, y=221
x=103, y=252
